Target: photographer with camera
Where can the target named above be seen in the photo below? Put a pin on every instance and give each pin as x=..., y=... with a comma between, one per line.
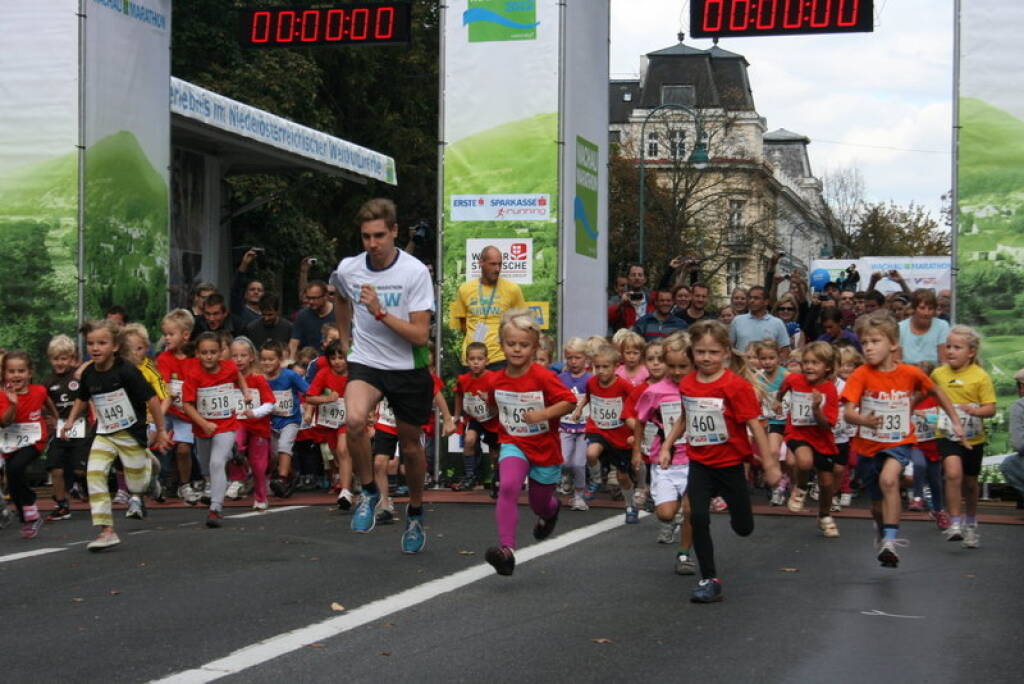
x=319, y=311
x=636, y=301
x=245, y=292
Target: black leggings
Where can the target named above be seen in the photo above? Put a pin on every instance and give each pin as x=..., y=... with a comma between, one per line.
x=17, y=484
x=706, y=483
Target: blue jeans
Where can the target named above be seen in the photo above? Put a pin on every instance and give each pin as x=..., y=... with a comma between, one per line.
x=1013, y=471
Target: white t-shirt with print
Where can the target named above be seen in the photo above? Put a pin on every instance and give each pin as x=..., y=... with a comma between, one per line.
x=402, y=287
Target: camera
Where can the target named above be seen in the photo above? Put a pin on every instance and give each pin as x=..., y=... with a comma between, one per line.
x=312, y=261
x=258, y=250
x=636, y=295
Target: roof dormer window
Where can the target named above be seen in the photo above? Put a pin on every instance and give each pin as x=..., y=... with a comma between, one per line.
x=685, y=95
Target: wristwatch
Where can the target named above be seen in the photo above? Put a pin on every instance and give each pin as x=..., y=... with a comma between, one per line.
x=380, y=314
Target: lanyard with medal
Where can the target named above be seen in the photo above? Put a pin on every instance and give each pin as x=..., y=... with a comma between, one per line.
x=480, y=333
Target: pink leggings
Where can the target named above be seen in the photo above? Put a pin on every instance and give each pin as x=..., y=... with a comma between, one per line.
x=512, y=472
x=257, y=451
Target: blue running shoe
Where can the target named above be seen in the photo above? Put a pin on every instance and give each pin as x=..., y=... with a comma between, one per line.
x=414, y=538
x=707, y=591
x=365, y=516
x=632, y=517
x=592, y=489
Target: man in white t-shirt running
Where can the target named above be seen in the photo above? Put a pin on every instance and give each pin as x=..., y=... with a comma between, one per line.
x=384, y=300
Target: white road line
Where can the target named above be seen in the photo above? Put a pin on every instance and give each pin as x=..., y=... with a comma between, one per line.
x=279, y=645
x=84, y=541
x=28, y=554
x=253, y=514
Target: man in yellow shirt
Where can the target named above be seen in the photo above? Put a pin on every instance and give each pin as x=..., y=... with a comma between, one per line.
x=480, y=303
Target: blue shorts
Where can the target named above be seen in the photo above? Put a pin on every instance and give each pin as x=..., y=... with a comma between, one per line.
x=868, y=469
x=542, y=474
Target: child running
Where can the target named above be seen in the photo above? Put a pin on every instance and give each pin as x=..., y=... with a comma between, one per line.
x=971, y=391
x=878, y=397
x=327, y=394
x=769, y=377
x=287, y=386
x=608, y=436
x=720, y=406
x=530, y=400
x=472, y=403
x=209, y=400
x=660, y=405
x=631, y=352
x=177, y=328
x=119, y=396
x=849, y=360
x=814, y=410
x=253, y=408
x=572, y=431
x=65, y=459
x=24, y=410
x=926, y=418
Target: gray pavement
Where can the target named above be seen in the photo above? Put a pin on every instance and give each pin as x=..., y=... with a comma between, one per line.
x=799, y=608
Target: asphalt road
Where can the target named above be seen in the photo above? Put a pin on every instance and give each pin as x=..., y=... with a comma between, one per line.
x=176, y=596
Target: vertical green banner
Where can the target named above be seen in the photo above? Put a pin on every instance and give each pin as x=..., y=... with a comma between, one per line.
x=500, y=20
x=38, y=173
x=990, y=179
x=585, y=207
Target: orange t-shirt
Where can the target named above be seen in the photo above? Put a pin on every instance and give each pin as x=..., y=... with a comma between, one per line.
x=887, y=393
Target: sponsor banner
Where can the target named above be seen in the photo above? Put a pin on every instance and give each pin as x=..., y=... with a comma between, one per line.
x=516, y=258
x=541, y=312
x=918, y=272
x=197, y=103
x=127, y=155
x=990, y=194
x=522, y=207
x=500, y=20
x=39, y=199
x=585, y=208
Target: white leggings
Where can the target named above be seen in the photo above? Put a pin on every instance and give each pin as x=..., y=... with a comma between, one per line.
x=213, y=454
x=574, y=451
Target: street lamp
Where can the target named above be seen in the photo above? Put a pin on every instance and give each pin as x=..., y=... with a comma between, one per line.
x=698, y=159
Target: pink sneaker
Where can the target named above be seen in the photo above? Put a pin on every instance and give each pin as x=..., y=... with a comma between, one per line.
x=718, y=505
x=941, y=519
x=916, y=506
x=30, y=530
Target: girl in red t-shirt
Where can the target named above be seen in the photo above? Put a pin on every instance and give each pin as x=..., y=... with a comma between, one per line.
x=24, y=433
x=608, y=435
x=530, y=401
x=719, y=407
x=327, y=394
x=252, y=409
x=209, y=402
x=814, y=410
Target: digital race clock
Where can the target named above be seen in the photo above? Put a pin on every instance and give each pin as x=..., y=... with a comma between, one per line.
x=378, y=23
x=713, y=18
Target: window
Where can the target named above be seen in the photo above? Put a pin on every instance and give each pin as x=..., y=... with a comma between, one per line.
x=676, y=142
x=735, y=232
x=614, y=137
x=678, y=95
x=652, y=145
x=627, y=96
x=733, y=274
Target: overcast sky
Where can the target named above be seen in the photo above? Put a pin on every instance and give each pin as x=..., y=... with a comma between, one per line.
x=880, y=101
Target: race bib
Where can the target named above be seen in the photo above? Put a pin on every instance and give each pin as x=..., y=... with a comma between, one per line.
x=606, y=412
x=895, y=415
x=671, y=412
x=242, y=403
x=331, y=415
x=584, y=412
x=217, y=402
x=77, y=430
x=512, y=410
x=385, y=416
x=801, y=409
x=174, y=389
x=114, y=412
x=19, y=435
x=705, y=421
x=972, y=424
x=650, y=432
x=477, y=408
x=284, y=403
x=925, y=421
x=768, y=408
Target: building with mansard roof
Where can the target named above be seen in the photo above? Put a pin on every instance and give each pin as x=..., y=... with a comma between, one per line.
x=756, y=195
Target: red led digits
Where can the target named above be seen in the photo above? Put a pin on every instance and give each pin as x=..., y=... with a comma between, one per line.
x=848, y=13
x=260, y=27
x=714, y=15
x=359, y=23
x=715, y=18
x=821, y=12
x=310, y=26
x=335, y=25
x=767, y=14
x=384, y=28
x=739, y=17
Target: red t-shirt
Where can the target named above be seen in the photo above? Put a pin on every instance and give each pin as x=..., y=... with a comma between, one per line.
x=28, y=411
x=925, y=418
x=629, y=407
x=257, y=384
x=716, y=417
x=172, y=370
x=431, y=427
x=887, y=393
x=325, y=382
x=607, y=406
x=538, y=388
x=209, y=391
x=479, y=390
x=802, y=411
